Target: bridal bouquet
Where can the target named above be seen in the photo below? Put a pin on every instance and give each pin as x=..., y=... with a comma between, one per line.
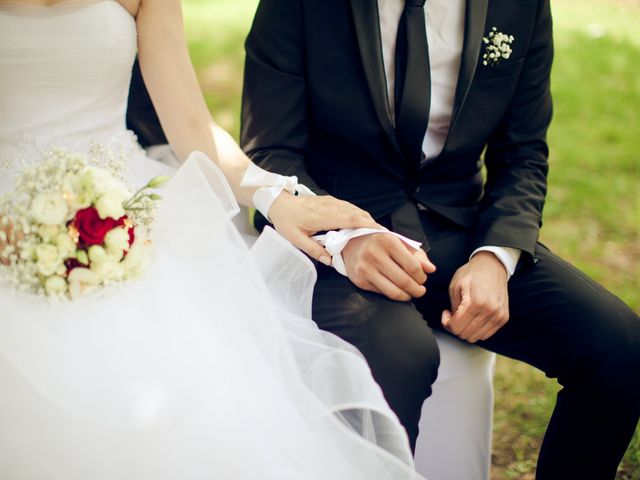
x=76, y=227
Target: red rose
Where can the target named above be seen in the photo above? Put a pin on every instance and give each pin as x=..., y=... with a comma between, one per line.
x=132, y=235
x=91, y=228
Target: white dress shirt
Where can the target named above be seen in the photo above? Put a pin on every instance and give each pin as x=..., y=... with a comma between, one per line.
x=445, y=36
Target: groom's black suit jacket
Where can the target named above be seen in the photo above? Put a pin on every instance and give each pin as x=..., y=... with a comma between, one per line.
x=315, y=105
x=141, y=115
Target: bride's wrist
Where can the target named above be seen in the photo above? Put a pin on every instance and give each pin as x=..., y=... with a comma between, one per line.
x=265, y=197
x=279, y=207
x=271, y=187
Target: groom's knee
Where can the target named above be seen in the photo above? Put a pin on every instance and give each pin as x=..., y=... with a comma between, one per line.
x=617, y=353
x=404, y=357
x=397, y=337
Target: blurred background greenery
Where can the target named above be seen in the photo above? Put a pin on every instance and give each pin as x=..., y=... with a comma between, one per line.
x=592, y=217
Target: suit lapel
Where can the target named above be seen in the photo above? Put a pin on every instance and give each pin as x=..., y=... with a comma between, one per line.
x=367, y=26
x=475, y=20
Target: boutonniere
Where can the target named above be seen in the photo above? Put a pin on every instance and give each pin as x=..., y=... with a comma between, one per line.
x=497, y=47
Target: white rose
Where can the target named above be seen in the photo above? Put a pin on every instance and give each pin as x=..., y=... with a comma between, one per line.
x=55, y=286
x=110, y=205
x=65, y=245
x=48, y=258
x=117, y=242
x=82, y=281
x=49, y=209
x=104, y=182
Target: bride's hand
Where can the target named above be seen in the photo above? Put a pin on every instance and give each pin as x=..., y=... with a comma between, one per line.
x=299, y=217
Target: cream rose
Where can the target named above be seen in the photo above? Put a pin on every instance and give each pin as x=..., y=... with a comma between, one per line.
x=49, y=209
x=104, y=183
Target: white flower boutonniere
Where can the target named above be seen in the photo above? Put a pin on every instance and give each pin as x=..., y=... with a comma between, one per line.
x=497, y=47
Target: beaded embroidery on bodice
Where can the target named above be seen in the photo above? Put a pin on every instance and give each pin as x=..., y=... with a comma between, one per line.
x=64, y=76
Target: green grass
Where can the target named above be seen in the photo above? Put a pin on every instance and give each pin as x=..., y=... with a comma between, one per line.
x=592, y=217
x=216, y=32
x=593, y=211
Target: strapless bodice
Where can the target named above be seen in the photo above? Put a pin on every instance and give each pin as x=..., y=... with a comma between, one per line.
x=64, y=72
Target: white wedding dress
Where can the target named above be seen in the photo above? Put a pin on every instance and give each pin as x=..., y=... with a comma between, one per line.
x=207, y=367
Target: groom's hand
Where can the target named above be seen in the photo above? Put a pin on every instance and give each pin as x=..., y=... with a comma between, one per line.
x=479, y=299
x=382, y=263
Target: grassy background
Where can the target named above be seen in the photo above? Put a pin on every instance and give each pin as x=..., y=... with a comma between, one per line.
x=592, y=216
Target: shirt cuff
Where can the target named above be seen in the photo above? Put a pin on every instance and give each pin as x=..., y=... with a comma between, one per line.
x=508, y=257
x=336, y=240
x=270, y=186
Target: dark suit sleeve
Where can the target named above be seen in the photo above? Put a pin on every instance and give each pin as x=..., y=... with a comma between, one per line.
x=141, y=116
x=516, y=158
x=274, y=130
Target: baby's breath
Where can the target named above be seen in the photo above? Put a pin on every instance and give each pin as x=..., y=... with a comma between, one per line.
x=497, y=47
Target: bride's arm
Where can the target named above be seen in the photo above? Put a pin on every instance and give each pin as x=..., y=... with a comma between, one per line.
x=174, y=89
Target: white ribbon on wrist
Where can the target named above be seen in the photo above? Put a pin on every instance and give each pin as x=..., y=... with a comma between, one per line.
x=270, y=186
x=336, y=240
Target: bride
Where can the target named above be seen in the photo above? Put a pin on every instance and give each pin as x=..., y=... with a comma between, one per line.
x=208, y=366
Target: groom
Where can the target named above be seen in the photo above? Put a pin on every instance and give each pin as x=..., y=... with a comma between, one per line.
x=396, y=106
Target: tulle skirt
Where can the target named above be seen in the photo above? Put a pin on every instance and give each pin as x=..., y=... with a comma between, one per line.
x=207, y=367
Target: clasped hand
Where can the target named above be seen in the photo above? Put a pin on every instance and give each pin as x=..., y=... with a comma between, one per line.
x=297, y=218
x=382, y=263
x=478, y=291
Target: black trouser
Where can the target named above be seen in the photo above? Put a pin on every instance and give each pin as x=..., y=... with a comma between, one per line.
x=561, y=322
